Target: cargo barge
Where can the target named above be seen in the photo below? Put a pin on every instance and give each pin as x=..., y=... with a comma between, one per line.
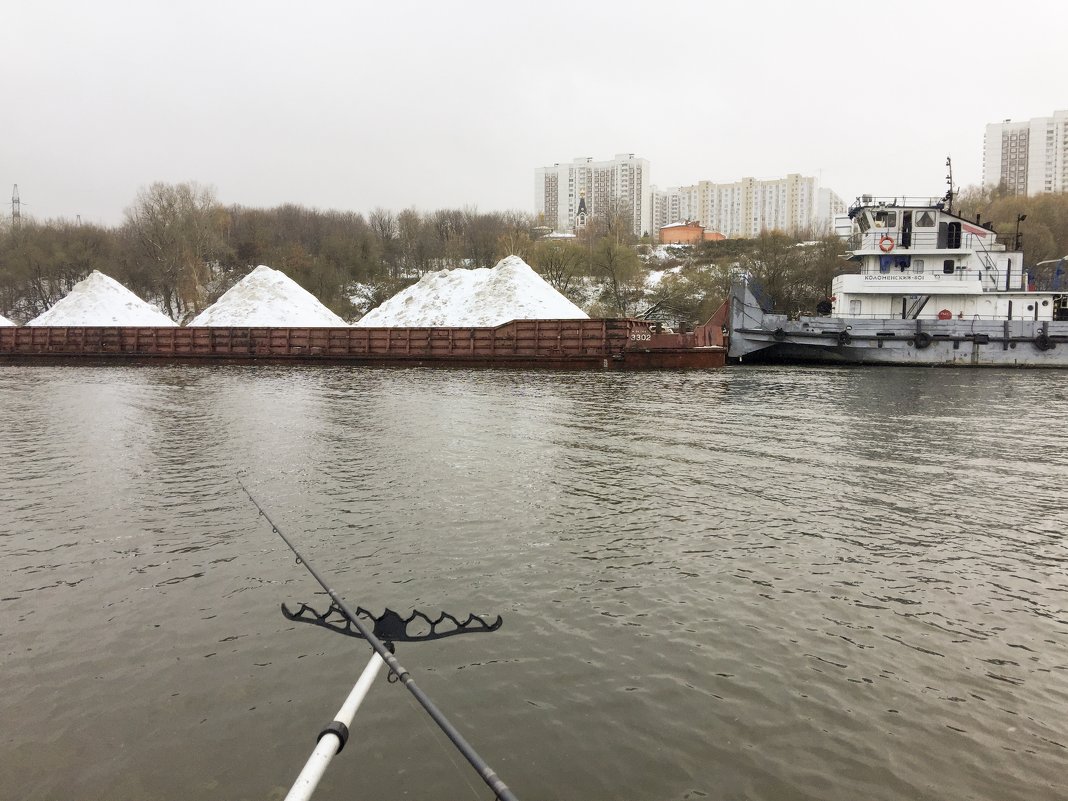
x=605, y=344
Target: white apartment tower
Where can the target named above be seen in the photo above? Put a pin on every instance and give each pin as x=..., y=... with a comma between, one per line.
x=566, y=196
x=1029, y=158
x=747, y=207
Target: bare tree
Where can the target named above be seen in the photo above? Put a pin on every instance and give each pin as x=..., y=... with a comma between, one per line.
x=560, y=262
x=615, y=220
x=178, y=229
x=619, y=267
x=419, y=247
x=384, y=226
x=480, y=237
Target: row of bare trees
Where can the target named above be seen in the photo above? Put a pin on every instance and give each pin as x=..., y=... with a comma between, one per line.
x=1042, y=222
x=180, y=248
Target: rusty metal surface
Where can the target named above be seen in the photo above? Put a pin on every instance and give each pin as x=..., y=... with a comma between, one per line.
x=580, y=344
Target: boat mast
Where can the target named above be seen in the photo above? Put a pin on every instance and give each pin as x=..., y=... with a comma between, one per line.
x=949, y=180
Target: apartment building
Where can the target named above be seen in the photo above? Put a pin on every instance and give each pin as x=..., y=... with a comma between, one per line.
x=745, y=208
x=1028, y=158
x=568, y=196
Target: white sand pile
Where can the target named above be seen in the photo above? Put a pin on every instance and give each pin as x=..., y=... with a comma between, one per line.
x=267, y=297
x=99, y=300
x=5, y=321
x=482, y=297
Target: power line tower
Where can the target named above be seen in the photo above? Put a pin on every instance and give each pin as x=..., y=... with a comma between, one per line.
x=16, y=208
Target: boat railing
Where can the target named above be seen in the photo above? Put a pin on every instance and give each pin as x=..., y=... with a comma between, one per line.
x=870, y=201
x=925, y=240
x=991, y=273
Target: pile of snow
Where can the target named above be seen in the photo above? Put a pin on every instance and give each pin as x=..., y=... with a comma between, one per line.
x=267, y=297
x=481, y=297
x=5, y=321
x=102, y=301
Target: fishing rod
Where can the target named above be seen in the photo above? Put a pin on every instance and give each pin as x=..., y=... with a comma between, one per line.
x=338, y=729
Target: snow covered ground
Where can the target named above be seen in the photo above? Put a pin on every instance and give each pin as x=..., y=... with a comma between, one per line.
x=267, y=297
x=5, y=321
x=100, y=300
x=654, y=277
x=482, y=297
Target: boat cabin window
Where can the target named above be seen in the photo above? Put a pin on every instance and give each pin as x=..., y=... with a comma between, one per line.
x=864, y=222
x=854, y=308
x=906, y=229
x=917, y=265
x=948, y=266
x=949, y=236
x=925, y=220
x=954, y=236
x=885, y=219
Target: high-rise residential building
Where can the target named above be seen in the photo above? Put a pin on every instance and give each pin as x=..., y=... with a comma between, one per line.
x=567, y=196
x=1027, y=158
x=747, y=207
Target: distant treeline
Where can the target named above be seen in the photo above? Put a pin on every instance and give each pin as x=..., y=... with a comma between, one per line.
x=181, y=249
x=1043, y=234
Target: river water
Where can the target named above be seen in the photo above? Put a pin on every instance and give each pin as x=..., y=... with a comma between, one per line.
x=751, y=583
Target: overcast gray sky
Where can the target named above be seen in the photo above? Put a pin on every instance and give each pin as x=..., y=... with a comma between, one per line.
x=353, y=105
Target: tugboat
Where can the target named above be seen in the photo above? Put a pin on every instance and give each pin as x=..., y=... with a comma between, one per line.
x=932, y=289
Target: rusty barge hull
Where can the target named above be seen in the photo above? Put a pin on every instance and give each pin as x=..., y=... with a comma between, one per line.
x=608, y=344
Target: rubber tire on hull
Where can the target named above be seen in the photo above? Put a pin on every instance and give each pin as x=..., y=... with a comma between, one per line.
x=922, y=340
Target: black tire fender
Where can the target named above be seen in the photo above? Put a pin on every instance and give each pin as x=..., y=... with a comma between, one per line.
x=922, y=340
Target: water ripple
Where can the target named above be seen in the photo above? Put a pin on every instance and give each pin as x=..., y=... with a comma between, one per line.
x=755, y=583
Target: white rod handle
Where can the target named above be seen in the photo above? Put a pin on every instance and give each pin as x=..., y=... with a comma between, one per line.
x=329, y=743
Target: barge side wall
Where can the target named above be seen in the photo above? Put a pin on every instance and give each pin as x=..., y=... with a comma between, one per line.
x=600, y=343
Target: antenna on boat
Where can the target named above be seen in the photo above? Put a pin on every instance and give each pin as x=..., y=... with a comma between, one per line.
x=333, y=738
x=949, y=180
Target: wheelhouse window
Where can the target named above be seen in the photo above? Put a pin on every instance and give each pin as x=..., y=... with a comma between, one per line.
x=949, y=236
x=954, y=236
x=925, y=220
x=885, y=219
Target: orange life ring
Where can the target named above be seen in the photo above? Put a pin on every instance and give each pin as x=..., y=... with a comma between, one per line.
x=886, y=244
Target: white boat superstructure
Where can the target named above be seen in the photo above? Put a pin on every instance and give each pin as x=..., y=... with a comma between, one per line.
x=929, y=287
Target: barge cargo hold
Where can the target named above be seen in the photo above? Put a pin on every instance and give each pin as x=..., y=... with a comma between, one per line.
x=619, y=344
